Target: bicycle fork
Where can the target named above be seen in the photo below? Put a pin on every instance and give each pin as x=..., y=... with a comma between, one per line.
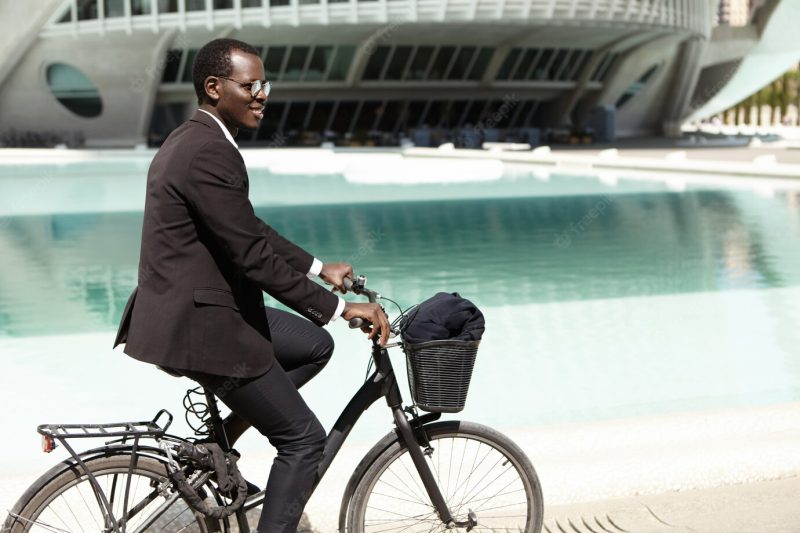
x=424, y=470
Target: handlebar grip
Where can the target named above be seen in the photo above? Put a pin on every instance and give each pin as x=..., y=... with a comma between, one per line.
x=357, y=323
x=348, y=283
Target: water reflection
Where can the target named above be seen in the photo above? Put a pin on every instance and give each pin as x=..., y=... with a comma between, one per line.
x=73, y=273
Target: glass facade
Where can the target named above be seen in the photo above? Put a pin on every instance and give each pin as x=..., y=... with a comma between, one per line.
x=281, y=63
x=547, y=64
x=378, y=119
x=427, y=63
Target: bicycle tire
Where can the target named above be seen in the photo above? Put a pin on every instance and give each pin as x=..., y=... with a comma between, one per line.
x=44, y=499
x=410, y=508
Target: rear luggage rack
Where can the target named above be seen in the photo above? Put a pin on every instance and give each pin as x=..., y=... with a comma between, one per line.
x=127, y=430
x=148, y=428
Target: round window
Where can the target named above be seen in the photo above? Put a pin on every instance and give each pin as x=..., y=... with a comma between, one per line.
x=74, y=90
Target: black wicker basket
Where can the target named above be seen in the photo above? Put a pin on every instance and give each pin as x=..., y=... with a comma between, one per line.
x=439, y=373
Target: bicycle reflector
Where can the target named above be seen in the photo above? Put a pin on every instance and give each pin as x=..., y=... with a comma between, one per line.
x=48, y=444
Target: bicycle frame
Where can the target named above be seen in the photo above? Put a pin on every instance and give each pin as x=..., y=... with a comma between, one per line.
x=380, y=384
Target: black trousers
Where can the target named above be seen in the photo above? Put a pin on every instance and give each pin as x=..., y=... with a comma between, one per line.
x=272, y=404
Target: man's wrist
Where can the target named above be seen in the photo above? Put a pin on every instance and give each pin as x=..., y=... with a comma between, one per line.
x=339, y=309
x=316, y=268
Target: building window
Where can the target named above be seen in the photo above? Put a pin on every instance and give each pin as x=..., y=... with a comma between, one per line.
x=526, y=64
x=252, y=3
x=273, y=64
x=462, y=62
x=441, y=63
x=437, y=112
x=413, y=114
x=74, y=90
x=195, y=5
x=296, y=118
x=637, y=86
x=187, y=66
x=270, y=126
x=66, y=16
x=581, y=59
x=390, y=113
x=481, y=63
x=141, y=7
x=369, y=114
x=320, y=116
x=87, y=9
x=113, y=8
x=542, y=65
x=474, y=112
x=223, y=4
x=172, y=65
x=420, y=63
x=296, y=64
x=166, y=117
x=519, y=116
x=456, y=113
x=320, y=60
x=508, y=65
x=169, y=6
x=605, y=65
x=341, y=63
x=344, y=116
x=557, y=65
x=376, y=62
x=398, y=63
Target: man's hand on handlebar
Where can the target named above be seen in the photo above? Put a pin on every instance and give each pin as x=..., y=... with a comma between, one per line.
x=373, y=313
x=335, y=273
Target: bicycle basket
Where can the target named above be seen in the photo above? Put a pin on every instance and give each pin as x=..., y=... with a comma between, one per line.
x=439, y=373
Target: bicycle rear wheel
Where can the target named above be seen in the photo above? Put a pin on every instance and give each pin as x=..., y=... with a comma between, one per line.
x=66, y=502
x=478, y=470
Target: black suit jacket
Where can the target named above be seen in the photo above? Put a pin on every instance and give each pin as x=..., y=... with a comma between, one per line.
x=205, y=260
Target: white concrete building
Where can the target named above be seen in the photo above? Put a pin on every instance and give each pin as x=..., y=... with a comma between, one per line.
x=118, y=72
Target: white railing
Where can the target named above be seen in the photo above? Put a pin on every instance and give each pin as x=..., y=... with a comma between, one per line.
x=689, y=15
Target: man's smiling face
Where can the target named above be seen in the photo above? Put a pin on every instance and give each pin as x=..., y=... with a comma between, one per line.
x=236, y=105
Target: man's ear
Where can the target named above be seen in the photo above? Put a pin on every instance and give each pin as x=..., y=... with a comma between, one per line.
x=211, y=86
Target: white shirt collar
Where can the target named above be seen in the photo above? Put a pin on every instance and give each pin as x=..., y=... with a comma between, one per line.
x=221, y=125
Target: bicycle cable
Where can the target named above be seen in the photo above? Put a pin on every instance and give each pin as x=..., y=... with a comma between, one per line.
x=395, y=322
x=199, y=409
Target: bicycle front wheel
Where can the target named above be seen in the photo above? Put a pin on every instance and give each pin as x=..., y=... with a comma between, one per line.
x=67, y=502
x=479, y=470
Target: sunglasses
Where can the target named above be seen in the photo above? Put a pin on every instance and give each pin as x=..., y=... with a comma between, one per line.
x=254, y=87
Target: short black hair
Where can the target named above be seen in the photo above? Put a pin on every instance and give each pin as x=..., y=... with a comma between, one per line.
x=214, y=59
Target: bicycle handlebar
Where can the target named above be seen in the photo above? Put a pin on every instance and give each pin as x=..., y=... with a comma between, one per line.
x=358, y=286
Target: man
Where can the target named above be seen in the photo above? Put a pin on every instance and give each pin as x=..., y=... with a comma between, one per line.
x=205, y=260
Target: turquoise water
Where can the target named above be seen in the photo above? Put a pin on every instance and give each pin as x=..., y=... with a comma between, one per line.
x=603, y=298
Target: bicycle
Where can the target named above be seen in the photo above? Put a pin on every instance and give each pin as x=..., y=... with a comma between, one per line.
x=425, y=475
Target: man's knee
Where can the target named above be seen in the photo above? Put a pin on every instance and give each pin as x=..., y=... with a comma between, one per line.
x=316, y=436
x=309, y=449
x=308, y=442
x=323, y=348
